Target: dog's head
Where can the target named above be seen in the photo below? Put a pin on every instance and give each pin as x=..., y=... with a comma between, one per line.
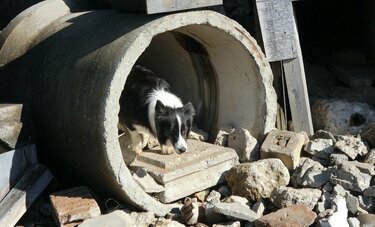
x=173, y=125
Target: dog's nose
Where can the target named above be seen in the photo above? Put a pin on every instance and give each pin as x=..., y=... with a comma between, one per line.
x=182, y=149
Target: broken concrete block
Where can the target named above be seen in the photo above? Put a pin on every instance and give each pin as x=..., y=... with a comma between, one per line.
x=204, y=166
x=74, y=204
x=283, y=145
x=228, y=224
x=237, y=199
x=117, y=218
x=310, y=173
x=211, y=216
x=349, y=177
x=351, y=146
x=354, y=222
x=256, y=180
x=10, y=112
x=198, y=134
x=190, y=211
x=321, y=134
x=321, y=148
x=202, y=195
x=370, y=157
x=292, y=216
x=341, y=117
x=162, y=222
x=235, y=211
x=363, y=167
x=366, y=220
x=259, y=208
x=337, y=159
x=142, y=219
x=222, y=137
x=244, y=144
x=368, y=134
x=338, y=218
x=369, y=192
x=146, y=182
x=213, y=197
x=352, y=203
x=287, y=196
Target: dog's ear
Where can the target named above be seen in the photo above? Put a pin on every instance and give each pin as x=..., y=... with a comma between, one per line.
x=160, y=109
x=188, y=109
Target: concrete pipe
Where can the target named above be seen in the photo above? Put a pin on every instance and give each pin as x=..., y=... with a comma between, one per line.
x=73, y=72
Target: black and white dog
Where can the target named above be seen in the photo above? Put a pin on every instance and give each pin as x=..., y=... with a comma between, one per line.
x=147, y=106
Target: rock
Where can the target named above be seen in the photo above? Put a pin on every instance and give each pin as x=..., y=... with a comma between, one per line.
x=350, y=178
x=198, y=134
x=367, y=203
x=321, y=134
x=74, y=204
x=283, y=145
x=202, y=195
x=224, y=190
x=237, y=199
x=223, y=136
x=211, y=216
x=353, y=222
x=116, y=218
x=244, y=144
x=142, y=219
x=352, y=203
x=190, y=211
x=286, y=196
x=341, y=117
x=366, y=220
x=336, y=159
x=146, y=182
x=369, y=192
x=337, y=219
x=310, y=173
x=236, y=211
x=228, y=224
x=351, y=146
x=321, y=148
x=162, y=222
x=9, y=133
x=256, y=180
x=368, y=134
x=356, y=77
x=363, y=167
x=292, y=216
x=259, y=208
x=213, y=197
x=370, y=157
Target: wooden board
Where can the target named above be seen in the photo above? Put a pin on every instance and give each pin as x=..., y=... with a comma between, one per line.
x=162, y=6
x=28, y=188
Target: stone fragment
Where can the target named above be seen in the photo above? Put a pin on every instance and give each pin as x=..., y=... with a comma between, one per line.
x=336, y=159
x=198, y=134
x=235, y=211
x=321, y=148
x=10, y=112
x=353, y=222
x=310, y=173
x=351, y=146
x=74, y=204
x=237, y=199
x=116, y=218
x=190, y=211
x=142, y=219
x=321, y=134
x=369, y=192
x=9, y=133
x=283, y=145
x=146, y=182
x=244, y=144
x=352, y=203
x=211, y=216
x=223, y=136
x=228, y=224
x=349, y=177
x=259, y=208
x=256, y=180
x=213, y=197
x=338, y=218
x=363, y=167
x=162, y=222
x=366, y=220
x=287, y=196
x=341, y=117
x=370, y=157
x=369, y=134
x=202, y=195
x=204, y=166
x=292, y=216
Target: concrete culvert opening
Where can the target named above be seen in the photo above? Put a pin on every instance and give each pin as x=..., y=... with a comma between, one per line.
x=76, y=82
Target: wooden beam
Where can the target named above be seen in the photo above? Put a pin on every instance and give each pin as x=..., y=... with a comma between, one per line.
x=23, y=194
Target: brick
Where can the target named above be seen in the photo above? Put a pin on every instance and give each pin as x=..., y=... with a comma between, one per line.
x=292, y=216
x=74, y=204
x=283, y=145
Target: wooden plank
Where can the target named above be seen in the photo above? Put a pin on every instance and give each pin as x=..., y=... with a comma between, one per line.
x=13, y=165
x=297, y=90
x=19, y=199
x=276, y=24
x=162, y=6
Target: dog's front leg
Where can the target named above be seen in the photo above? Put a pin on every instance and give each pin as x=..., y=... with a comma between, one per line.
x=136, y=141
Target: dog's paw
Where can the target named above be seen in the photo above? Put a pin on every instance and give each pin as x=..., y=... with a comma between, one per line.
x=137, y=149
x=167, y=150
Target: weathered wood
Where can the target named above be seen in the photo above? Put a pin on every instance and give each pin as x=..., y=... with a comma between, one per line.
x=276, y=24
x=15, y=204
x=297, y=90
x=13, y=165
x=160, y=6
